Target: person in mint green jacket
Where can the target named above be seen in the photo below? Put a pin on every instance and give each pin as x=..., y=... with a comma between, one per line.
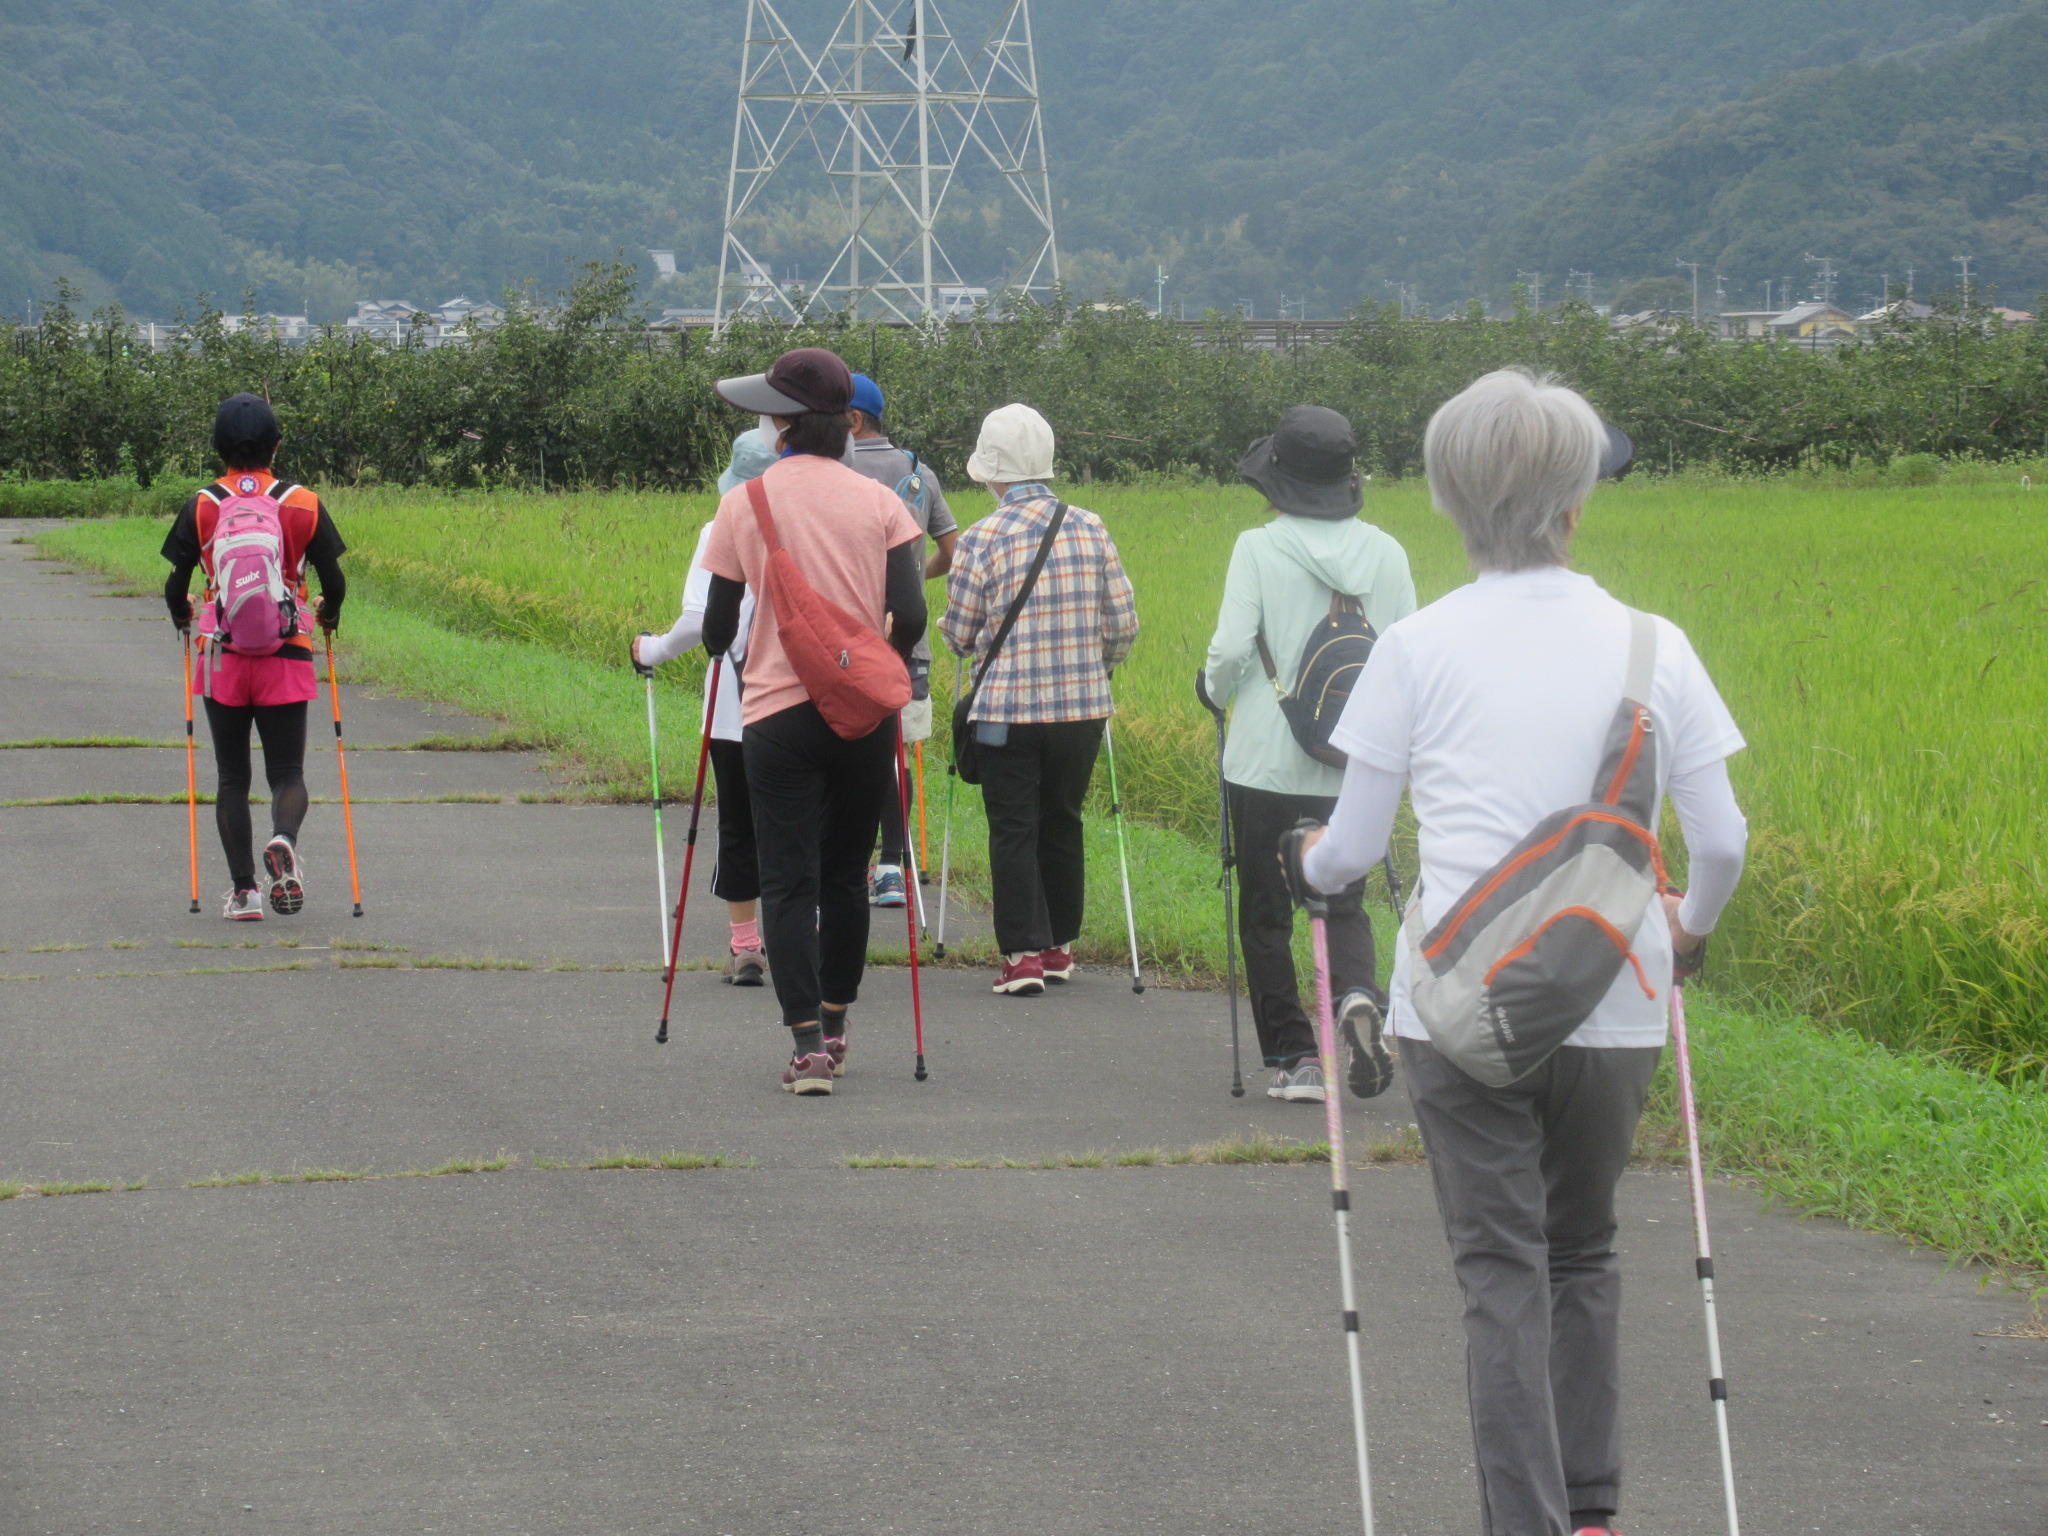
x=1281, y=582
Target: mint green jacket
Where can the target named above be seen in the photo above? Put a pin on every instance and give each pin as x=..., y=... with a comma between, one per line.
x=1281, y=578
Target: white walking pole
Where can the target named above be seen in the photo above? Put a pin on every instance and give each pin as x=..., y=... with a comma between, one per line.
x=1123, y=862
x=946, y=843
x=1703, y=1263
x=660, y=853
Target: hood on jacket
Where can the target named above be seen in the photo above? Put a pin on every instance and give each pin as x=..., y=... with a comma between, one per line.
x=1344, y=555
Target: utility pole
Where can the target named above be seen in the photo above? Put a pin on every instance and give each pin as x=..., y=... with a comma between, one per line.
x=1909, y=285
x=1694, y=268
x=1720, y=293
x=1159, y=308
x=1535, y=282
x=1767, y=293
x=1964, y=263
x=1576, y=274
x=1827, y=271
x=1400, y=292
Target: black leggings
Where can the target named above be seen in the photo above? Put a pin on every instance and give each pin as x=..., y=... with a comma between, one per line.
x=737, y=875
x=815, y=796
x=283, y=729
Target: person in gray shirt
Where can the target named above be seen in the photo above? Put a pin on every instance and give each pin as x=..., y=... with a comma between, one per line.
x=879, y=459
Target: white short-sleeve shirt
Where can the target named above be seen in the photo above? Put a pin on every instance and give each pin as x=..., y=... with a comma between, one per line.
x=1494, y=702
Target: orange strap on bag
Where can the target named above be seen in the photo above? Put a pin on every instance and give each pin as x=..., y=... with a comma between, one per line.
x=852, y=674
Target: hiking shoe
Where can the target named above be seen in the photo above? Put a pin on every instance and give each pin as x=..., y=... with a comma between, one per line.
x=244, y=907
x=885, y=886
x=1372, y=1065
x=287, y=877
x=745, y=968
x=1058, y=964
x=808, y=1074
x=1023, y=976
x=835, y=1047
x=1301, y=1084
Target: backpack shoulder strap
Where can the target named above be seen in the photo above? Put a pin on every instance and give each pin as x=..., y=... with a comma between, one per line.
x=757, y=497
x=1642, y=657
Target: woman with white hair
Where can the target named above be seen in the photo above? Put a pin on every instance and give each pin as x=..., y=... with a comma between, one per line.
x=1494, y=708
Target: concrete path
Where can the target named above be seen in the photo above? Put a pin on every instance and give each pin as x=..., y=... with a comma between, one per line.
x=790, y=1348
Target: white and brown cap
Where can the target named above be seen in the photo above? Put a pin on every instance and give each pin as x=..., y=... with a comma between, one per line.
x=806, y=380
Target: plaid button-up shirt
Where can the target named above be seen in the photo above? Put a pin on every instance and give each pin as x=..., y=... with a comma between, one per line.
x=1079, y=623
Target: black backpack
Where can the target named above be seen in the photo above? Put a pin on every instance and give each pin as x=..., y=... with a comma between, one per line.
x=1330, y=664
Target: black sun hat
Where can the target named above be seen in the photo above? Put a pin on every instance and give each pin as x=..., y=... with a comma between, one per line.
x=1308, y=466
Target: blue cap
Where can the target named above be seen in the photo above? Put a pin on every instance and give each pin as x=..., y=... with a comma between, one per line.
x=867, y=396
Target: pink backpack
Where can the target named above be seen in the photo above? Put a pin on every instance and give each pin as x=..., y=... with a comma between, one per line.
x=255, y=612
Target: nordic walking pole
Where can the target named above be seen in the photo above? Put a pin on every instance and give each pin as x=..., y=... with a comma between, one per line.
x=910, y=913
x=654, y=773
x=1123, y=862
x=946, y=840
x=1224, y=882
x=348, y=820
x=675, y=943
x=1703, y=1263
x=1318, y=909
x=191, y=776
x=1393, y=883
x=924, y=821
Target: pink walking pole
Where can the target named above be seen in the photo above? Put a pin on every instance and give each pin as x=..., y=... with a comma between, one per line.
x=1717, y=1386
x=1318, y=909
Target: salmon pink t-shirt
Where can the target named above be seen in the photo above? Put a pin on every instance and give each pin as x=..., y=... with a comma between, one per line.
x=838, y=526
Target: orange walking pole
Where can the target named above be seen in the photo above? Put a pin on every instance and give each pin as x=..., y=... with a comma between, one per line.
x=348, y=821
x=191, y=776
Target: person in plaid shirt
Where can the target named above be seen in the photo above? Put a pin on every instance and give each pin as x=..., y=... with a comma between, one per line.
x=1039, y=715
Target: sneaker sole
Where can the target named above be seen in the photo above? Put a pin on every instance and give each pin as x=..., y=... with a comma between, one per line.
x=246, y=917
x=808, y=1087
x=1372, y=1064
x=1032, y=988
x=287, y=891
x=1062, y=977
x=1303, y=1095
x=750, y=977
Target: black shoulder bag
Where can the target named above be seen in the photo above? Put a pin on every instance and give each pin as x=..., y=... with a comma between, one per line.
x=966, y=759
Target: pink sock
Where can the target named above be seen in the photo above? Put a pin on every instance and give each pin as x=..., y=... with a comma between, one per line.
x=745, y=937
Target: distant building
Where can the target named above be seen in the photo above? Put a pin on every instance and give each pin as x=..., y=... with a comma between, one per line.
x=461, y=310
x=664, y=263
x=958, y=302
x=1814, y=322
x=1735, y=324
x=683, y=319
x=274, y=327
x=385, y=319
x=2013, y=316
x=1898, y=312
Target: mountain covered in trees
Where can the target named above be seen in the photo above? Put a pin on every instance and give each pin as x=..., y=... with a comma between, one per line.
x=1312, y=151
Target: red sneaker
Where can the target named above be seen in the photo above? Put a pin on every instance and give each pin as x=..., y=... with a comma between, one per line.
x=1058, y=964
x=808, y=1074
x=835, y=1047
x=1023, y=976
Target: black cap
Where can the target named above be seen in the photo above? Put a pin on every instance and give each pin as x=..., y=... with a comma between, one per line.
x=1307, y=466
x=245, y=432
x=807, y=379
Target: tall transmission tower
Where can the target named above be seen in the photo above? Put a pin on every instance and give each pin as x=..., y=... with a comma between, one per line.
x=847, y=155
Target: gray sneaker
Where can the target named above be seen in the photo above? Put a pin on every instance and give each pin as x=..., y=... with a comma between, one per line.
x=1304, y=1085
x=1372, y=1064
x=745, y=968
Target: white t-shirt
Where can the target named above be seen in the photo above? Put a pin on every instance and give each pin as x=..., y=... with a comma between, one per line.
x=688, y=634
x=1495, y=701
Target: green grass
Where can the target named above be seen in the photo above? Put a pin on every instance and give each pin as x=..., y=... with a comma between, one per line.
x=85, y=741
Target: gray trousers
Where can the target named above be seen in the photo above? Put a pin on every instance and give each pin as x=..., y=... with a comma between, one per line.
x=1525, y=1178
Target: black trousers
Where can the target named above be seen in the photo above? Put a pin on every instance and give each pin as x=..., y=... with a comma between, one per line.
x=814, y=798
x=1265, y=924
x=1032, y=788
x=890, y=810
x=737, y=875
x=282, y=728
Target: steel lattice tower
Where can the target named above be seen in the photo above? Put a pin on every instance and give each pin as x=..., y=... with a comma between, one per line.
x=869, y=135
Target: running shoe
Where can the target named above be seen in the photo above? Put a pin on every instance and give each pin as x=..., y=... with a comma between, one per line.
x=835, y=1047
x=807, y=1075
x=287, y=877
x=1372, y=1065
x=1022, y=976
x=745, y=968
x=1058, y=964
x=244, y=907
x=1277, y=1089
x=1303, y=1084
x=885, y=886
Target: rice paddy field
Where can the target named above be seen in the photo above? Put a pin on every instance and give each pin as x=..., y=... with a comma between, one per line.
x=1882, y=647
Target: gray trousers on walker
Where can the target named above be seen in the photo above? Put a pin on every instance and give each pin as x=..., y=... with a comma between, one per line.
x=1525, y=1178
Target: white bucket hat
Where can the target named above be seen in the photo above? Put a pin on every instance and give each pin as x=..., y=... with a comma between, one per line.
x=1015, y=445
